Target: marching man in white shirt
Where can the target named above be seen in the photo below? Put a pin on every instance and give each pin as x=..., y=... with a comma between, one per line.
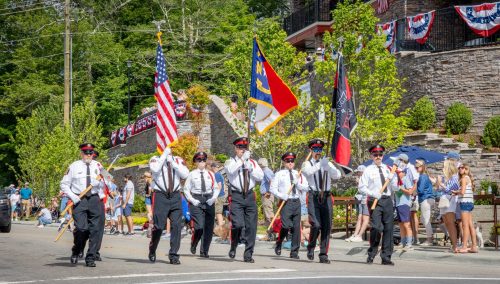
x=283, y=181
x=88, y=212
x=201, y=190
x=167, y=171
x=243, y=173
x=319, y=173
x=382, y=217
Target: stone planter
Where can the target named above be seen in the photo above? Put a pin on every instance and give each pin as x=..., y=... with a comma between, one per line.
x=485, y=213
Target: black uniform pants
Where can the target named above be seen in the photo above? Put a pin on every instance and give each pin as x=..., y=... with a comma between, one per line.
x=290, y=221
x=243, y=215
x=320, y=217
x=382, y=223
x=203, y=219
x=167, y=206
x=88, y=215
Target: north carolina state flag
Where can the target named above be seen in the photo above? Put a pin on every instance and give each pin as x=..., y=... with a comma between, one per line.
x=273, y=97
x=346, y=120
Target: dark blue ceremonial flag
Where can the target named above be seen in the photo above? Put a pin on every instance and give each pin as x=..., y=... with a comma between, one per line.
x=345, y=122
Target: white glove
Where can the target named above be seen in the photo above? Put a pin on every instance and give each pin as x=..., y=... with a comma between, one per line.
x=391, y=175
x=284, y=197
x=95, y=183
x=195, y=202
x=323, y=162
x=246, y=155
x=167, y=151
x=211, y=201
x=248, y=165
x=377, y=195
x=295, y=181
x=170, y=159
x=75, y=199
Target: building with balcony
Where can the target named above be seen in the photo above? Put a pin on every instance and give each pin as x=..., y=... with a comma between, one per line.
x=454, y=64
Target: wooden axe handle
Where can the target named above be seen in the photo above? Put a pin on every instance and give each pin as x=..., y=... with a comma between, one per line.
x=63, y=230
x=386, y=183
x=283, y=203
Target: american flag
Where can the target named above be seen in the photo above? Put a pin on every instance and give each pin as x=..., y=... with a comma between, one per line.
x=166, y=130
x=382, y=6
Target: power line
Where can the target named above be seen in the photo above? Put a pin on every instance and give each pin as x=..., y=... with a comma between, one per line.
x=46, y=56
x=22, y=11
x=22, y=6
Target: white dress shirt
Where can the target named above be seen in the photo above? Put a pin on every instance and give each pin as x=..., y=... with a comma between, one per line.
x=234, y=169
x=281, y=184
x=74, y=181
x=193, y=184
x=370, y=182
x=312, y=170
x=179, y=171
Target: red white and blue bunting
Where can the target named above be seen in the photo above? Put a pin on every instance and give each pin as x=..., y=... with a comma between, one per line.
x=419, y=26
x=388, y=29
x=483, y=19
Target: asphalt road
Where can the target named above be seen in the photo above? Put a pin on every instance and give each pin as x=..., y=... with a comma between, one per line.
x=30, y=255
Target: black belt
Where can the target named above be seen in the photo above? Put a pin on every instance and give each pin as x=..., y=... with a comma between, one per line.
x=202, y=195
x=325, y=193
x=239, y=192
x=385, y=197
x=166, y=193
x=294, y=199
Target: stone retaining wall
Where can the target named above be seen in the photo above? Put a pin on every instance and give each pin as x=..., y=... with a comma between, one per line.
x=469, y=76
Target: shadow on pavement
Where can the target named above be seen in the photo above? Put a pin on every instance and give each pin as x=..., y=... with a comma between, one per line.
x=138, y=260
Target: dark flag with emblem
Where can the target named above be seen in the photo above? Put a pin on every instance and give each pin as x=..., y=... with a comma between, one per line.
x=346, y=121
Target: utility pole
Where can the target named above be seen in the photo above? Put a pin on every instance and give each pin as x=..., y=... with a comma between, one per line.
x=67, y=46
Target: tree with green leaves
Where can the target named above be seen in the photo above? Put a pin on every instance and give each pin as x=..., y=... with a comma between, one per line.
x=372, y=76
x=46, y=147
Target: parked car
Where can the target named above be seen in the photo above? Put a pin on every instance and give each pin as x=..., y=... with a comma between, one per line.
x=5, y=223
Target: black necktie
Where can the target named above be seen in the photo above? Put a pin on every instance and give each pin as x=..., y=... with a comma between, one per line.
x=88, y=180
x=291, y=182
x=382, y=178
x=245, y=179
x=170, y=178
x=320, y=178
x=203, y=185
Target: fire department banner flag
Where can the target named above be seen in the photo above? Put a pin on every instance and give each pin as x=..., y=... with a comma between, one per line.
x=483, y=19
x=273, y=97
x=419, y=26
x=345, y=121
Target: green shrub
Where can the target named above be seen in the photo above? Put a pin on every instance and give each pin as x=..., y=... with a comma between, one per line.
x=221, y=158
x=140, y=157
x=139, y=204
x=491, y=133
x=422, y=115
x=458, y=118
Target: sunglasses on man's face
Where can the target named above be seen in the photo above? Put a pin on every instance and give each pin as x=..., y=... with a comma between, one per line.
x=317, y=150
x=88, y=152
x=377, y=155
x=289, y=161
x=200, y=160
x=241, y=147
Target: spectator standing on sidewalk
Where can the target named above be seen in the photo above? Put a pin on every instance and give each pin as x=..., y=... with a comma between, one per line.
x=425, y=194
x=466, y=200
x=267, y=198
x=117, y=212
x=361, y=210
x=221, y=199
x=403, y=202
x=148, y=191
x=14, y=203
x=26, y=200
x=128, y=203
x=44, y=216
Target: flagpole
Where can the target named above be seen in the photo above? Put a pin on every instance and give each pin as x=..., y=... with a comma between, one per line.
x=334, y=98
